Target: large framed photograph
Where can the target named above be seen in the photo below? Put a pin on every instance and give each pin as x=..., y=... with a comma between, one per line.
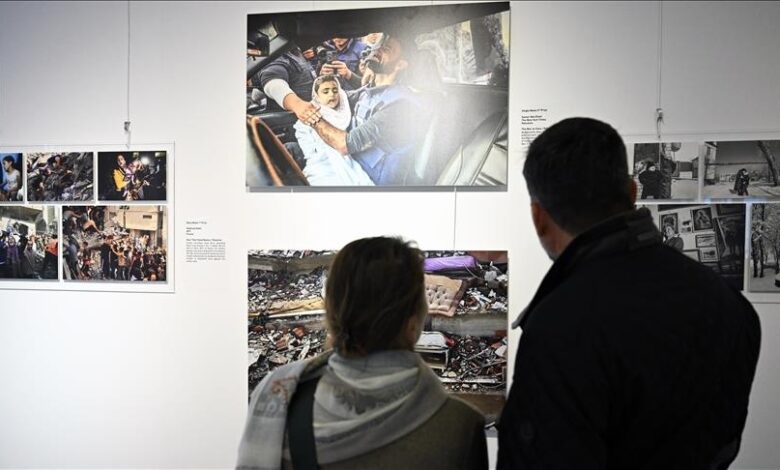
x=381, y=97
x=764, y=272
x=467, y=305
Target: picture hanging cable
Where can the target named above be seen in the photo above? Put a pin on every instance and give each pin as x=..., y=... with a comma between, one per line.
x=454, y=217
x=127, y=118
x=659, y=111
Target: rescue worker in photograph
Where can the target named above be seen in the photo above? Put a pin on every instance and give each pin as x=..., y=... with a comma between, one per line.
x=650, y=179
x=342, y=56
x=287, y=81
x=389, y=120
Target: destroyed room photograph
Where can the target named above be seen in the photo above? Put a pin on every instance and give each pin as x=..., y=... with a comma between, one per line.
x=28, y=242
x=60, y=176
x=132, y=176
x=114, y=243
x=11, y=180
x=464, y=339
x=388, y=97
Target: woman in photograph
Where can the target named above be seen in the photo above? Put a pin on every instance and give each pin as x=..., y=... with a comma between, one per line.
x=672, y=239
x=371, y=402
x=741, y=182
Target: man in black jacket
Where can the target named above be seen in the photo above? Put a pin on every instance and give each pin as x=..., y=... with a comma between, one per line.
x=632, y=354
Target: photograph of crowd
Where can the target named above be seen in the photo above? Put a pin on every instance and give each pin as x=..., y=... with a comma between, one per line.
x=764, y=269
x=711, y=234
x=132, y=176
x=667, y=170
x=114, y=243
x=747, y=168
x=408, y=96
x=11, y=181
x=28, y=242
x=464, y=338
x=60, y=176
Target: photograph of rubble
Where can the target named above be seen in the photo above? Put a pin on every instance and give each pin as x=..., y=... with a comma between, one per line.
x=465, y=335
x=764, y=272
x=60, y=176
x=747, y=168
x=28, y=242
x=412, y=96
x=114, y=243
x=667, y=170
x=712, y=234
x=11, y=181
x=132, y=176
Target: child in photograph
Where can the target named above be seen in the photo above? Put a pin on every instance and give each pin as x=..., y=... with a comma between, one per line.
x=11, y=181
x=324, y=165
x=650, y=179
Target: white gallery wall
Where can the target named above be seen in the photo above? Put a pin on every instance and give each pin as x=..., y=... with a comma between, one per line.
x=91, y=380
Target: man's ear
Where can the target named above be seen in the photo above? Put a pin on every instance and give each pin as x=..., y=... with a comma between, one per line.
x=540, y=219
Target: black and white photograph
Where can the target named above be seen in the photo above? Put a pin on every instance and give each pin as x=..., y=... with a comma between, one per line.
x=764, y=269
x=132, y=176
x=464, y=339
x=394, y=97
x=115, y=243
x=707, y=240
x=28, y=242
x=745, y=168
x=11, y=180
x=666, y=170
x=702, y=219
x=60, y=176
x=719, y=242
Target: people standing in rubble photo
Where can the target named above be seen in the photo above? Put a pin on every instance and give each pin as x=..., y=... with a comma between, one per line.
x=371, y=402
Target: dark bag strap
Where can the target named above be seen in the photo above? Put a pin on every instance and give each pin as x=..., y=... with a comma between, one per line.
x=300, y=429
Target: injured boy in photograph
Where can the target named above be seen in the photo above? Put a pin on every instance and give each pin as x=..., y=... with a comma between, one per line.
x=325, y=166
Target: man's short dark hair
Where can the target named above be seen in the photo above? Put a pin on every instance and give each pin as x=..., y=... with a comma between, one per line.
x=9, y=158
x=577, y=170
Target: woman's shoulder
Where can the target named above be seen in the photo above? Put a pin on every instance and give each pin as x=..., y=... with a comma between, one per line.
x=461, y=410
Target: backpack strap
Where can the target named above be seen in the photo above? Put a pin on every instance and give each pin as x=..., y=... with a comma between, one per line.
x=300, y=428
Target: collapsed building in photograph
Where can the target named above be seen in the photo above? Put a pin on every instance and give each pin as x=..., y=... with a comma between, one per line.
x=464, y=339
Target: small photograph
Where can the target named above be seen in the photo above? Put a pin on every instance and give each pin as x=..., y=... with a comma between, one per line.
x=702, y=219
x=667, y=170
x=764, y=248
x=11, y=180
x=745, y=168
x=704, y=241
x=132, y=176
x=717, y=239
x=114, y=243
x=28, y=242
x=465, y=336
x=414, y=96
x=60, y=176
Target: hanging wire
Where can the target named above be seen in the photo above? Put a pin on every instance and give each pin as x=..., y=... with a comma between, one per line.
x=659, y=110
x=127, y=117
